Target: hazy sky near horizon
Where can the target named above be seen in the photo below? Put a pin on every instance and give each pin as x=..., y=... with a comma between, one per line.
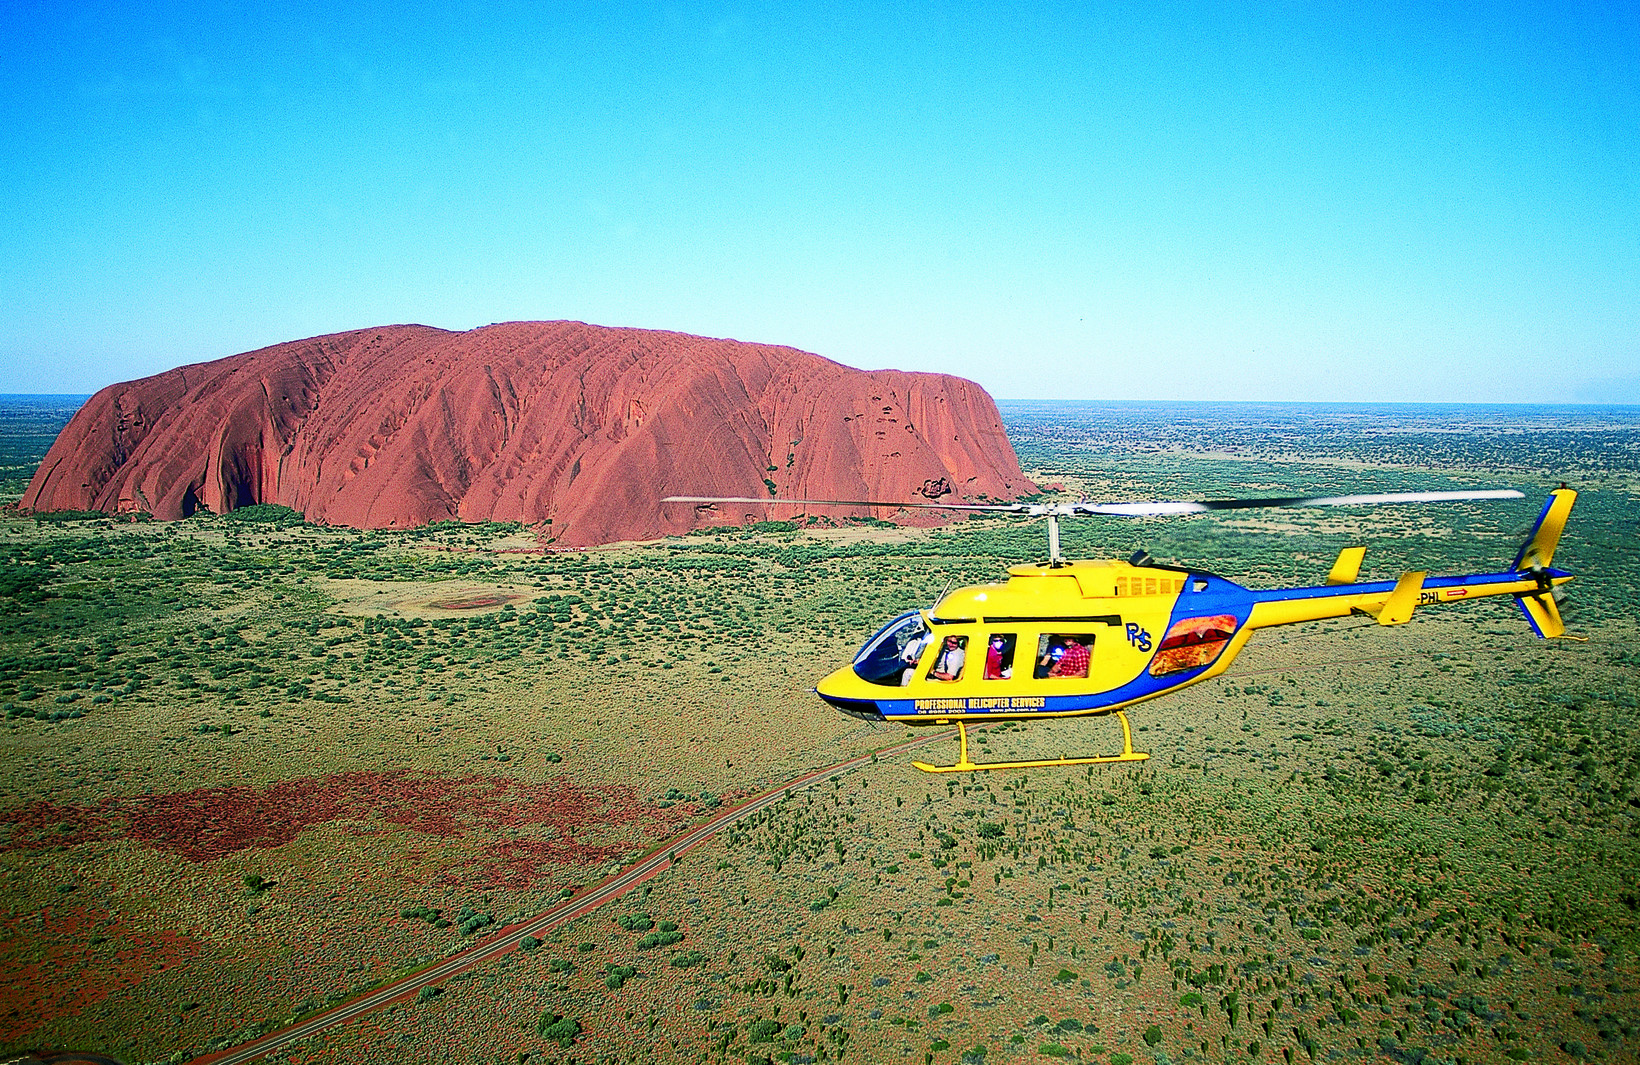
x=1144, y=201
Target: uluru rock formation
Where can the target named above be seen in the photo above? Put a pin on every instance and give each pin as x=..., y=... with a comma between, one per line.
x=582, y=425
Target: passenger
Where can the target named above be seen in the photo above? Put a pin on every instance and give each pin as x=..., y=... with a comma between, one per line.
x=948, y=664
x=1049, y=662
x=1074, y=661
x=994, y=669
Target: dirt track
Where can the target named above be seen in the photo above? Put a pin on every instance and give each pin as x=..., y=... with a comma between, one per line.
x=508, y=939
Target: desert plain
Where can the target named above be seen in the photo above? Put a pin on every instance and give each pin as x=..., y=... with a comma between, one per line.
x=251, y=766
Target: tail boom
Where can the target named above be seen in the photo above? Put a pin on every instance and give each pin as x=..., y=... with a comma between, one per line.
x=1531, y=582
x=1290, y=606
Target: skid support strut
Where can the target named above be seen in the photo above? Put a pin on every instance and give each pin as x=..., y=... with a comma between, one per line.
x=965, y=765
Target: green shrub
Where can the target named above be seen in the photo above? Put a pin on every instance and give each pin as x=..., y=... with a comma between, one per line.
x=269, y=513
x=1153, y=1035
x=472, y=922
x=762, y=1031
x=561, y=1030
x=659, y=939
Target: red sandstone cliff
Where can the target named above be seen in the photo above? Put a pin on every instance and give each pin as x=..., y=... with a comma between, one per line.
x=525, y=421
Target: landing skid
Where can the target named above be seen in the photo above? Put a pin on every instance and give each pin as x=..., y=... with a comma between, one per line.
x=966, y=766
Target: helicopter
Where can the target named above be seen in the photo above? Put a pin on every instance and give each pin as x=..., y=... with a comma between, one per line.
x=1064, y=638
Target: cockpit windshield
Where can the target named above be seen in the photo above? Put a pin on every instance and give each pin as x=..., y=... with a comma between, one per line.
x=890, y=657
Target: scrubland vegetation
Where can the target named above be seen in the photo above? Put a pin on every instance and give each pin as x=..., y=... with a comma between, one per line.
x=251, y=766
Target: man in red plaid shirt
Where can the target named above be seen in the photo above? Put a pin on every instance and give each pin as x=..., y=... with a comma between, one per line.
x=1074, y=662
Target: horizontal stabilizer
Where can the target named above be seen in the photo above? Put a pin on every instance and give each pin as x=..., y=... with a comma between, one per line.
x=1542, y=614
x=1397, y=609
x=1348, y=566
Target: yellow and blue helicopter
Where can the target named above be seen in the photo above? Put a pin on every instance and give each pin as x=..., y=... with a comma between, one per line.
x=1067, y=639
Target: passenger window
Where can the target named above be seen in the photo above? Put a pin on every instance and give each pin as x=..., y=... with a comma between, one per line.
x=1063, y=655
x=1192, y=643
x=949, y=658
x=999, y=656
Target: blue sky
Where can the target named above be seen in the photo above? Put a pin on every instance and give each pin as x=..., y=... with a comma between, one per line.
x=1144, y=201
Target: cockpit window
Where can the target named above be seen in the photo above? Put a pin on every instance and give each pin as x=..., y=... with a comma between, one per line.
x=890, y=657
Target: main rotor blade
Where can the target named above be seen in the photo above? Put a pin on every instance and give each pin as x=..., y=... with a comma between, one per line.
x=1205, y=505
x=1015, y=508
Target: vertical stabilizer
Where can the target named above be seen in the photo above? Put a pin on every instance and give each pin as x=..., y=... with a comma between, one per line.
x=1539, y=549
x=1543, y=615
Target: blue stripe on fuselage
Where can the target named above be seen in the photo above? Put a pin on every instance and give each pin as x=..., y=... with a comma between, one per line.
x=1276, y=595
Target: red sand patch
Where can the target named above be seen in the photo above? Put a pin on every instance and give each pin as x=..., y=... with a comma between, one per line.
x=207, y=823
x=37, y=949
x=477, y=602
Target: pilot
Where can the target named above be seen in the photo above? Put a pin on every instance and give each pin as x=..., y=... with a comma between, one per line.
x=948, y=664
